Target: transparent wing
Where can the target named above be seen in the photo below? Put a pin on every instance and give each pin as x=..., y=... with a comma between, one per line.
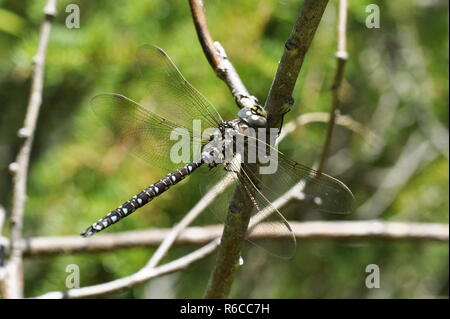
x=176, y=99
x=325, y=193
x=281, y=242
x=269, y=192
x=147, y=133
x=322, y=192
x=289, y=180
x=266, y=219
x=173, y=104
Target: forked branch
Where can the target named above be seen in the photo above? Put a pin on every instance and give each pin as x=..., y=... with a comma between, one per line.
x=218, y=58
x=193, y=236
x=19, y=168
x=236, y=224
x=280, y=98
x=341, y=59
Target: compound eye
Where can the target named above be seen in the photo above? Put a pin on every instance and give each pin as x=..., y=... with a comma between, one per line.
x=252, y=117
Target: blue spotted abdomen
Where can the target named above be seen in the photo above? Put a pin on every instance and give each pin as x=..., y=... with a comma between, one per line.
x=141, y=199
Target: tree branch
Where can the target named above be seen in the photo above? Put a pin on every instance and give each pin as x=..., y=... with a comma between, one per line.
x=341, y=59
x=3, y=246
x=417, y=152
x=367, y=229
x=233, y=236
x=344, y=120
x=236, y=224
x=19, y=169
x=237, y=220
x=2, y=218
x=218, y=58
x=143, y=275
x=201, y=205
x=280, y=98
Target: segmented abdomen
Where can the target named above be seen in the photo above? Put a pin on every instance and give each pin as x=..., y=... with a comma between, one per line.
x=141, y=199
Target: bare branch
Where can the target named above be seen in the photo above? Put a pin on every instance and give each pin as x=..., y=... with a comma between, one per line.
x=415, y=153
x=218, y=58
x=236, y=224
x=320, y=229
x=188, y=219
x=165, y=238
x=280, y=98
x=341, y=59
x=435, y=131
x=19, y=168
x=343, y=120
x=3, y=245
x=2, y=218
x=143, y=275
x=38, y=246
x=237, y=221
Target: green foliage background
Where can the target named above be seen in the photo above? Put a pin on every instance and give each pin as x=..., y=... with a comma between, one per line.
x=396, y=83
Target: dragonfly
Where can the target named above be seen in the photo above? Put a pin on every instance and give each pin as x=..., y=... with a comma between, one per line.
x=180, y=107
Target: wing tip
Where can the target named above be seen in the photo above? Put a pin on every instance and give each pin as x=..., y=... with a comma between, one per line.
x=146, y=47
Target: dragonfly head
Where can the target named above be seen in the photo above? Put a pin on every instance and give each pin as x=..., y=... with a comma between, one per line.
x=254, y=116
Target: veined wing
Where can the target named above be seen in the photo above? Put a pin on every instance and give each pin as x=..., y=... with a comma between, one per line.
x=265, y=217
x=148, y=132
x=177, y=104
x=269, y=192
x=176, y=99
x=325, y=192
x=274, y=222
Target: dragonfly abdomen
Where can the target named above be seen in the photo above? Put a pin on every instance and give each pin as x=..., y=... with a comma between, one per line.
x=139, y=200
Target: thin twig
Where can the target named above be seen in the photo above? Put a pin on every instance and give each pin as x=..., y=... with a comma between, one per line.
x=19, y=169
x=2, y=218
x=323, y=117
x=435, y=131
x=3, y=245
x=415, y=153
x=38, y=246
x=237, y=221
x=367, y=229
x=218, y=58
x=143, y=275
x=188, y=219
x=341, y=59
x=236, y=224
x=280, y=98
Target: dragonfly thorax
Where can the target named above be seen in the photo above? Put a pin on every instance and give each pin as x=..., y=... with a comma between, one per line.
x=254, y=116
x=220, y=149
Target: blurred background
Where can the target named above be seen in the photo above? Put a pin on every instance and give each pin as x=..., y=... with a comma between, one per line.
x=396, y=85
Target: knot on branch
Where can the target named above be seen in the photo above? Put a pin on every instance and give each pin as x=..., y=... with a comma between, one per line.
x=50, y=9
x=13, y=168
x=291, y=45
x=24, y=132
x=342, y=55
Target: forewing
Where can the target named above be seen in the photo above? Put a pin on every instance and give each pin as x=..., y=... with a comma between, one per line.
x=146, y=132
x=176, y=99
